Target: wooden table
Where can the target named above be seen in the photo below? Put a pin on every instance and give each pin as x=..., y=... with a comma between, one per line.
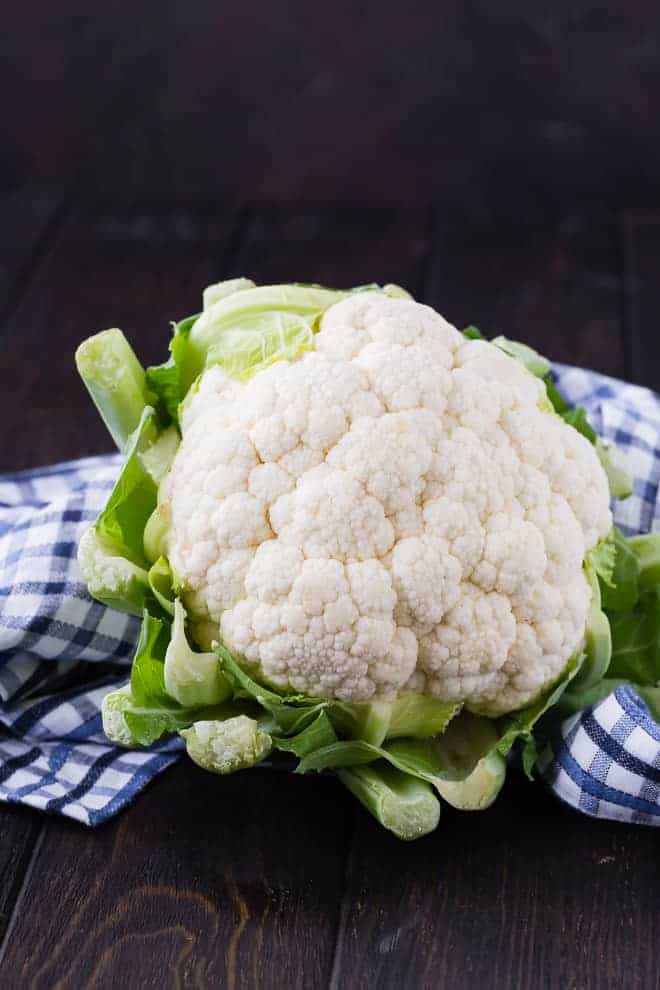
x=270, y=880
x=125, y=127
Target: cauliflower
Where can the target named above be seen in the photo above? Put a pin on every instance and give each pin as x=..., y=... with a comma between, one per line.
x=394, y=510
x=356, y=537
x=227, y=746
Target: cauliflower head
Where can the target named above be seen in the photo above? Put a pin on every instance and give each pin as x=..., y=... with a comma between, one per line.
x=394, y=510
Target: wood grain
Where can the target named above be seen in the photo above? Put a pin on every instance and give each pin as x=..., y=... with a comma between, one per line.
x=206, y=881
x=95, y=270
x=640, y=231
x=28, y=217
x=134, y=269
x=519, y=125
x=524, y=895
x=262, y=880
x=551, y=279
x=337, y=246
x=481, y=104
x=527, y=894
x=69, y=77
x=262, y=915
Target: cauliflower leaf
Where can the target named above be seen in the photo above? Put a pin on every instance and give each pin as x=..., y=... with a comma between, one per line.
x=370, y=607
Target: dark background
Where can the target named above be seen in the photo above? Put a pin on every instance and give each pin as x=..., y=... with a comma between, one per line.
x=500, y=160
x=474, y=105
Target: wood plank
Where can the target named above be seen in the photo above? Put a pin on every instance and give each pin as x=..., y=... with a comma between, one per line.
x=641, y=250
x=337, y=246
x=139, y=270
x=143, y=885
x=19, y=829
x=73, y=80
x=156, y=904
x=381, y=104
x=135, y=269
x=28, y=217
x=525, y=895
x=225, y=881
x=552, y=280
x=105, y=267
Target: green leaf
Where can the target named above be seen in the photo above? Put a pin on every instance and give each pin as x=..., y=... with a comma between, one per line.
x=527, y=356
x=463, y=765
x=243, y=328
x=395, y=291
x=519, y=725
x=473, y=333
x=415, y=715
x=577, y=418
x=249, y=330
x=597, y=649
x=602, y=559
x=147, y=672
x=636, y=640
x=368, y=722
x=559, y=405
x=621, y=591
x=193, y=679
x=157, y=457
x=597, y=637
x=454, y=755
x=220, y=290
x=647, y=550
x=479, y=789
x=530, y=754
x=611, y=458
x=615, y=466
x=634, y=626
x=147, y=711
x=343, y=753
x=121, y=524
x=147, y=725
x=154, y=540
x=317, y=735
x=450, y=756
x=650, y=695
x=577, y=701
x=633, y=608
x=292, y=713
x=165, y=380
x=161, y=584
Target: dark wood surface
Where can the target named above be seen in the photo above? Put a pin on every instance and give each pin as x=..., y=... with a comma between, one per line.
x=269, y=880
x=479, y=104
x=149, y=149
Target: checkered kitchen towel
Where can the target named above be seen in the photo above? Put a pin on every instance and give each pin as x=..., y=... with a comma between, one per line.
x=60, y=651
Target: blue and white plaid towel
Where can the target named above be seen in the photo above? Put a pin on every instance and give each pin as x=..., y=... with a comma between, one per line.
x=60, y=651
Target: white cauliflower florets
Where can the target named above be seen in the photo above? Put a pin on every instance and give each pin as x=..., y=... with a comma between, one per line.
x=393, y=510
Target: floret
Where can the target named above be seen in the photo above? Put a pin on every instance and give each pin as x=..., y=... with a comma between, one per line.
x=396, y=508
